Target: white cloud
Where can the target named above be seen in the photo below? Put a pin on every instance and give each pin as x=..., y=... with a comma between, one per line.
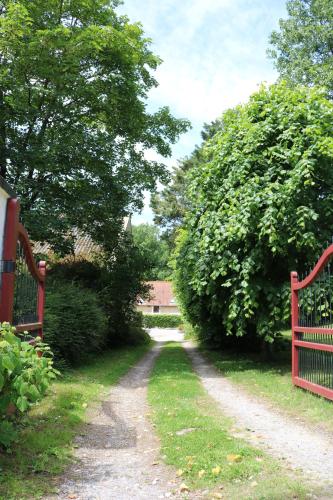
x=214, y=55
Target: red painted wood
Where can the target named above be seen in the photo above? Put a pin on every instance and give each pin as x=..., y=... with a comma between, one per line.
x=9, y=253
x=310, y=386
x=29, y=327
x=306, y=329
x=294, y=323
x=314, y=345
x=32, y=266
x=326, y=256
x=296, y=329
x=41, y=295
x=15, y=231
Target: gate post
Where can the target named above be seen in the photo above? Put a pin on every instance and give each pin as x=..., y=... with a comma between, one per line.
x=9, y=258
x=294, y=324
x=41, y=296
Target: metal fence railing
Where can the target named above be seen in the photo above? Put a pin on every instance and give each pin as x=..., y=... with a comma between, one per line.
x=312, y=328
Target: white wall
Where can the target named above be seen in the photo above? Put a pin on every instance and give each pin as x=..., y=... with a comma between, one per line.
x=3, y=209
x=145, y=309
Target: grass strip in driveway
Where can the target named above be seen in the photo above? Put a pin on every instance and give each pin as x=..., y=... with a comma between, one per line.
x=272, y=381
x=196, y=439
x=45, y=445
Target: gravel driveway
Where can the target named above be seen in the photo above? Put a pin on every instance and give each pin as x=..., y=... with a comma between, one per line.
x=267, y=428
x=118, y=453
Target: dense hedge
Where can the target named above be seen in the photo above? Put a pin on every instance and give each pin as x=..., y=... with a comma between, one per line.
x=75, y=322
x=162, y=320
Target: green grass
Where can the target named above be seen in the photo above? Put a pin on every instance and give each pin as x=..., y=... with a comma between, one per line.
x=45, y=445
x=179, y=402
x=272, y=381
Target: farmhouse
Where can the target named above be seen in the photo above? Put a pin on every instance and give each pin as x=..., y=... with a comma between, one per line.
x=161, y=301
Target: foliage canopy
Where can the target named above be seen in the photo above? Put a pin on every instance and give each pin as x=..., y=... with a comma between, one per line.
x=102, y=294
x=303, y=48
x=153, y=250
x=171, y=204
x=74, y=127
x=261, y=207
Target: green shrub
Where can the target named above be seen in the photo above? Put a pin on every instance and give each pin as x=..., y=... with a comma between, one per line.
x=87, y=274
x=122, y=282
x=189, y=331
x=75, y=323
x=260, y=206
x=117, y=279
x=24, y=378
x=162, y=320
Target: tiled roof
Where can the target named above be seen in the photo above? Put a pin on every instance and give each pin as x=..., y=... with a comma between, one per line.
x=84, y=246
x=160, y=294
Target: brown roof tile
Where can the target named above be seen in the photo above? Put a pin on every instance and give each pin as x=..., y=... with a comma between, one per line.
x=161, y=294
x=84, y=246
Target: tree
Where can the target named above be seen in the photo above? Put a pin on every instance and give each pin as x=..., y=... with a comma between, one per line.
x=303, y=48
x=116, y=277
x=153, y=250
x=171, y=204
x=122, y=281
x=261, y=207
x=74, y=80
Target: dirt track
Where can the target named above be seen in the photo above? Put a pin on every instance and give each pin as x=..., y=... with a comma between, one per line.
x=119, y=452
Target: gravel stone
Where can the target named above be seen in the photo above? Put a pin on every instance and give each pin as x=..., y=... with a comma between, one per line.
x=300, y=446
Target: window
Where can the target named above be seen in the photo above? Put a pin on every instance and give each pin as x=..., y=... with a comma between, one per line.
x=156, y=309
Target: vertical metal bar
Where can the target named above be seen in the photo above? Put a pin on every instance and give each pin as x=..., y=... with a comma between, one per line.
x=294, y=324
x=330, y=295
x=319, y=295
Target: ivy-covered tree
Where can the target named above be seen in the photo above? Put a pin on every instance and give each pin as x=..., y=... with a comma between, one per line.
x=261, y=207
x=74, y=80
x=303, y=48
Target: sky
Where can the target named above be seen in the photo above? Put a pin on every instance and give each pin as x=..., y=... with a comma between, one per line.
x=214, y=56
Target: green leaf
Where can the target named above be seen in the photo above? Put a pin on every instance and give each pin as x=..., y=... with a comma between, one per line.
x=7, y=363
x=22, y=403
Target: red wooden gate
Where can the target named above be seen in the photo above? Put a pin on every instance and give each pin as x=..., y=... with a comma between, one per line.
x=22, y=291
x=312, y=328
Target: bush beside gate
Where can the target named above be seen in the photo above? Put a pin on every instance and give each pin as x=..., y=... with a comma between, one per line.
x=25, y=376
